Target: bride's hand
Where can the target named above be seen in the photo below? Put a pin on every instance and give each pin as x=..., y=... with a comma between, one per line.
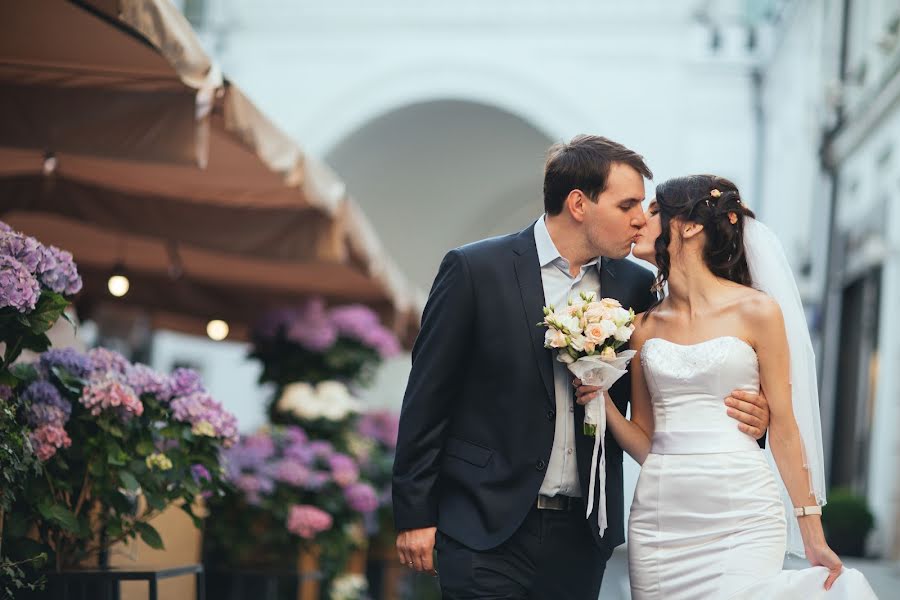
x=822, y=555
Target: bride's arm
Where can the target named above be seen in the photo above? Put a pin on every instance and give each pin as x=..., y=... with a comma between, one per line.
x=632, y=436
x=784, y=435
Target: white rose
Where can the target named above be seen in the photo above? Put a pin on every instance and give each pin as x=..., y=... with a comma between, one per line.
x=609, y=327
x=596, y=333
x=570, y=324
x=565, y=357
x=595, y=312
x=621, y=316
x=611, y=303
x=577, y=342
x=554, y=339
x=623, y=334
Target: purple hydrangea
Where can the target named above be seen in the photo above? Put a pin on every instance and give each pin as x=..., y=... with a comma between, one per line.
x=292, y=472
x=201, y=410
x=200, y=473
x=4, y=227
x=144, y=380
x=6, y=392
x=344, y=469
x=184, y=382
x=361, y=323
x=18, y=287
x=45, y=405
x=381, y=426
x=70, y=360
x=294, y=435
x=27, y=250
x=361, y=497
x=57, y=271
x=254, y=486
x=312, y=329
x=104, y=361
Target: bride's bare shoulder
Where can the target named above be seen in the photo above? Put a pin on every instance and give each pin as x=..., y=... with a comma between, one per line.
x=758, y=308
x=644, y=324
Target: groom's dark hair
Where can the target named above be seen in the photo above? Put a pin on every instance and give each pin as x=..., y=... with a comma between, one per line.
x=583, y=164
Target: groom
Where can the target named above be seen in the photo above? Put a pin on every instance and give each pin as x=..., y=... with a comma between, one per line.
x=492, y=468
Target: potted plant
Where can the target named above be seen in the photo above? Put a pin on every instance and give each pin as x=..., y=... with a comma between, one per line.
x=117, y=443
x=847, y=521
x=293, y=497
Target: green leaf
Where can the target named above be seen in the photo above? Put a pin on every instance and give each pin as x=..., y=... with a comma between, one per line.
x=155, y=502
x=145, y=448
x=129, y=481
x=24, y=371
x=60, y=515
x=68, y=381
x=49, y=308
x=116, y=456
x=150, y=536
x=36, y=342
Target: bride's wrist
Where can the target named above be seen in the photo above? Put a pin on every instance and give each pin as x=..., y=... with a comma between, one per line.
x=811, y=530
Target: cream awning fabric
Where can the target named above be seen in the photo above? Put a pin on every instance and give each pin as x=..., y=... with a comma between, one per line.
x=121, y=142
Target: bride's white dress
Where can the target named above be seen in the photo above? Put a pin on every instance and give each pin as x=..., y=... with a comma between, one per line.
x=707, y=521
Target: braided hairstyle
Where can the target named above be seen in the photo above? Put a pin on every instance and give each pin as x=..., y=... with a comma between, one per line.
x=715, y=203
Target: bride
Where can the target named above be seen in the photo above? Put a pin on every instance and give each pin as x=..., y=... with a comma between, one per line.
x=708, y=519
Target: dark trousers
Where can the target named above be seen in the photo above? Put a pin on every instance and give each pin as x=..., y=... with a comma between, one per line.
x=550, y=557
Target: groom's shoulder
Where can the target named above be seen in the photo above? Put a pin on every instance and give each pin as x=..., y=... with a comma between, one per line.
x=633, y=270
x=488, y=247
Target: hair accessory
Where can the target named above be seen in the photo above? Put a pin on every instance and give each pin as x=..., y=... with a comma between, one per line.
x=732, y=218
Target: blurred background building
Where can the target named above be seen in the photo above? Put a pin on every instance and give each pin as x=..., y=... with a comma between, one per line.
x=438, y=116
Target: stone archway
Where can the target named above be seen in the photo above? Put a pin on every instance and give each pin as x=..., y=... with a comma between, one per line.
x=435, y=175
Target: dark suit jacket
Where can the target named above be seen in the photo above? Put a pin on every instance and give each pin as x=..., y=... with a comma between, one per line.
x=477, y=422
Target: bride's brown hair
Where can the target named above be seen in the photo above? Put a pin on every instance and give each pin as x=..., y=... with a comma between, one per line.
x=715, y=203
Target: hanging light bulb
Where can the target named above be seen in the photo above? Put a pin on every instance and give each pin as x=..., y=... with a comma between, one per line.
x=217, y=330
x=118, y=284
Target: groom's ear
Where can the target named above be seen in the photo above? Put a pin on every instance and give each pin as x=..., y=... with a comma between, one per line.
x=574, y=203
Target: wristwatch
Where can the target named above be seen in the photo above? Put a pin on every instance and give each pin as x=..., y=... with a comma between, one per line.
x=802, y=511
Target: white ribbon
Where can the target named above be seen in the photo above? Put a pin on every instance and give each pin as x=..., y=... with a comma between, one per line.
x=602, y=373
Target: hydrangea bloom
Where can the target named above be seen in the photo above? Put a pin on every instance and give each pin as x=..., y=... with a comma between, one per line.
x=307, y=521
x=381, y=426
x=104, y=360
x=57, y=271
x=144, y=380
x=18, y=287
x=100, y=395
x=200, y=407
x=184, y=382
x=47, y=439
x=68, y=359
x=361, y=497
x=27, y=250
x=343, y=469
x=292, y=472
x=45, y=405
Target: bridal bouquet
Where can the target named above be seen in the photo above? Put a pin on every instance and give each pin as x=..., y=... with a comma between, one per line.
x=587, y=334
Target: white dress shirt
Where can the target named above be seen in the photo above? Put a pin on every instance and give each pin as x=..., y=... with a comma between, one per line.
x=559, y=286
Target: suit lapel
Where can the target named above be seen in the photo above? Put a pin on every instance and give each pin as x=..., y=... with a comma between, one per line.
x=528, y=274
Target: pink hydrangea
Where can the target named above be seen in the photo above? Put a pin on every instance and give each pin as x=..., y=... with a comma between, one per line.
x=47, y=440
x=308, y=521
x=109, y=393
x=343, y=469
x=361, y=497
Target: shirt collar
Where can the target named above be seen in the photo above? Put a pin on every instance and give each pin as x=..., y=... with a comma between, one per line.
x=546, y=249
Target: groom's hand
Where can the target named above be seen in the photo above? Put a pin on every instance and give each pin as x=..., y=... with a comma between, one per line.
x=415, y=548
x=584, y=393
x=751, y=412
